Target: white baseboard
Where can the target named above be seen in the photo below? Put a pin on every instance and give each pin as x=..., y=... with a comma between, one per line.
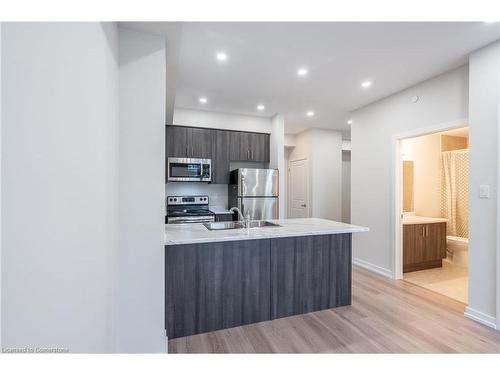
x=480, y=317
x=373, y=267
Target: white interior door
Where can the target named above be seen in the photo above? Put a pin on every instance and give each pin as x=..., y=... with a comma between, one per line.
x=298, y=197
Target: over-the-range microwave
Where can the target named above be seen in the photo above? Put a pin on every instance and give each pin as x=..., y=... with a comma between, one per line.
x=189, y=169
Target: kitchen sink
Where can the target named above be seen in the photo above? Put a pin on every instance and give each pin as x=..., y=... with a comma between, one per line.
x=224, y=225
x=262, y=224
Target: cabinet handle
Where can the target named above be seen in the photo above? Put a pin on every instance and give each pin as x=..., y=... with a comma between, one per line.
x=187, y=151
x=423, y=230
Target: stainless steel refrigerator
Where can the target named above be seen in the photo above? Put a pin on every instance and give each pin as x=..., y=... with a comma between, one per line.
x=255, y=192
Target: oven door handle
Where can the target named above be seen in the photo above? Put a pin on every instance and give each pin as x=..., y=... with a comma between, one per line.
x=190, y=219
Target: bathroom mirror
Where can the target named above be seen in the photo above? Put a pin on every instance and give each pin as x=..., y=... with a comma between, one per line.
x=407, y=185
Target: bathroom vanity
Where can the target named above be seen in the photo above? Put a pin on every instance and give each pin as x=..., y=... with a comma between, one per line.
x=424, y=243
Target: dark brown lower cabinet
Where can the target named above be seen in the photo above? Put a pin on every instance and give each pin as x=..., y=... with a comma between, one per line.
x=424, y=246
x=219, y=285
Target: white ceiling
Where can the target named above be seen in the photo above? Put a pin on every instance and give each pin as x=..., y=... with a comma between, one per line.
x=263, y=59
x=460, y=132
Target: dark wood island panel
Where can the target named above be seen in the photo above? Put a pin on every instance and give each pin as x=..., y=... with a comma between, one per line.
x=217, y=285
x=310, y=273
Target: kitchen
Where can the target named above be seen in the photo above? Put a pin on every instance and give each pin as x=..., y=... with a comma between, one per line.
x=227, y=187
x=258, y=195
x=243, y=241
x=197, y=155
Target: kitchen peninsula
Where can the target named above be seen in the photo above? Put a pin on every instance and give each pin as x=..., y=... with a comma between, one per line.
x=216, y=279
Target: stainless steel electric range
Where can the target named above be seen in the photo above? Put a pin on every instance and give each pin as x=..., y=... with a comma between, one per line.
x=188, y=209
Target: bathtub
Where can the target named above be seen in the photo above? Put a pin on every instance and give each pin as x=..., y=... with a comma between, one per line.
x=457, y=249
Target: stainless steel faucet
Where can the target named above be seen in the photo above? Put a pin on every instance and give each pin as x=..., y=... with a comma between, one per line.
x=242, y=218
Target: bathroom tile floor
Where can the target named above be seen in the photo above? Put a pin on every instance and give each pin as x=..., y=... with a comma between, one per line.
x=450, y=280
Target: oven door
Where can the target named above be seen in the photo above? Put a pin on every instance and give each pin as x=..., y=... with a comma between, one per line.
x=190, y=219
x=187, y=169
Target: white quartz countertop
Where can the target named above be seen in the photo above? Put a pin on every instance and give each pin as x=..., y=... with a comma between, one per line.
x=423, y=220
x=177, y=234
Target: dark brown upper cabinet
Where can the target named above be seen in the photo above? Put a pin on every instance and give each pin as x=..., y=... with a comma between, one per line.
x=220, y=162
x=222, y=146
x=176, y=142
x=185, y=142
x=202, y=143
x=249, y=147
x=259, y=147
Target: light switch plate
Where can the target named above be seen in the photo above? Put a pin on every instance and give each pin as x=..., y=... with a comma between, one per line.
x=484, y=191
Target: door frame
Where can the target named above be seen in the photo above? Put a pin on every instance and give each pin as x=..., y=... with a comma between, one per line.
x=397, y=186
x=289, y=184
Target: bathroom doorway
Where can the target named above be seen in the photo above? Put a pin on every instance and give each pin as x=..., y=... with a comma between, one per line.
x=433, y=216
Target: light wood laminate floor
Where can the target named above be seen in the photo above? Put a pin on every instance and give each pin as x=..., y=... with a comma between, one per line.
x=386, y=316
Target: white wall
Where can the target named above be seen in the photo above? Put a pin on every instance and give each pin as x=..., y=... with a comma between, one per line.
x=442, y=99
x=59, y=168
x=425, y=152
x=484, y=119
x=290, y=140
x=323, y=149
x=346, y=186
x=277, y=158
x=218, y=120
x=140, y=295
x=326, y=168
x=0, y=184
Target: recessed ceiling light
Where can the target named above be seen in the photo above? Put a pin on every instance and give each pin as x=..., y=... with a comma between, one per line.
x=310, y=113
x=221, y=56
x=203, y=100
x=261, y=107
x=349, y=122
x=302, y=72
x=366, y=84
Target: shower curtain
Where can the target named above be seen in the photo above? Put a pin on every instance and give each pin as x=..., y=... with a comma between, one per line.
x=454, y=195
